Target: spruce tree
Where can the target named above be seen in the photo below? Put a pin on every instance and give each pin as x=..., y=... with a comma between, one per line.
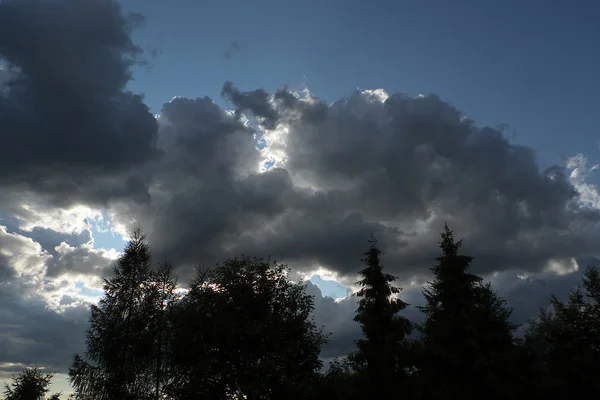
x=29, y=384
x=466, y=335
x=120, y=341
x=380, y=352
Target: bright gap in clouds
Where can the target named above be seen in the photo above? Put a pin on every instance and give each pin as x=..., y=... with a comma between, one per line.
x=85, y=291
x=104, y=237
x=330, y=288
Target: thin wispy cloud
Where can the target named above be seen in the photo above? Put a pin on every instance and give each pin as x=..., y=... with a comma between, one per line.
x=234, y=48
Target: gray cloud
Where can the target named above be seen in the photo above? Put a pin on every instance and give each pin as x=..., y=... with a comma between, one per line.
x=81, y=260
x=257, y=102
x=71, y=127
x=30, y=332
x=336, y=318
x=399, y=167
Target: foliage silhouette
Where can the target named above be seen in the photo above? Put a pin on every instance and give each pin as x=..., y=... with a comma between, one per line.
x=566, y=342
x=340, y=382
x=380, y=354
x=121, y=338
x=29, y=384
x=466, y=337
x=245, y=329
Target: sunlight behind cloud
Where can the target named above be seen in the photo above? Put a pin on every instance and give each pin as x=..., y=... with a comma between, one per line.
x=69, y=221
x=563, y=267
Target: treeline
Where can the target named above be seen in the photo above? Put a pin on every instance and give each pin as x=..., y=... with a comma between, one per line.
x=243, y=330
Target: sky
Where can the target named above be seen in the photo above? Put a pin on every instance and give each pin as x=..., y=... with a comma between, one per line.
x=291, y=129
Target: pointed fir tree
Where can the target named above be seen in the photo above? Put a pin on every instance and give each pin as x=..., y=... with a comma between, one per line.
x=120, y=341
x=29, y=384
x=380, y=354
x=466, y=336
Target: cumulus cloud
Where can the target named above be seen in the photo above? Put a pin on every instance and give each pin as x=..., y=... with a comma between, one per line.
x=580, y=172
x=20, y=257
x=394, y=165
x=70, y=130
x=34, y=326
x=82, y=260
x=30, y=332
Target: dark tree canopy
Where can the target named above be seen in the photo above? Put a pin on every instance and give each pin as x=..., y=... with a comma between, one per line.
x=162, y=298
x=566, y=342
x=466, y=335
x=245, y=329
x=120, y=339
x=340, y=382
x=29, y=384
x=381, y=352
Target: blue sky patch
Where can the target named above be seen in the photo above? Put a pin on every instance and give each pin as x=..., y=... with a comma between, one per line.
x=104, y=236
x=330, y=288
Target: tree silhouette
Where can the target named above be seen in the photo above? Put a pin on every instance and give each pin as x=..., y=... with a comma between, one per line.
x=340, y=382
x=244, y=329
x=380, y=353
x=567, y=342
x=120, y=338
x=29, y=384
x=160, y=300
x=466, y=335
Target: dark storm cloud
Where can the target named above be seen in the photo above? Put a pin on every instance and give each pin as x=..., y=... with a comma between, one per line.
x=69, y=132
x=203, y=186
x=69, y=127
x=31, y=333
x=410, y=159
x=398, y=167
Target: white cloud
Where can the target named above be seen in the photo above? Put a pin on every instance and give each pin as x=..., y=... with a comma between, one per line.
x=72, y=220
x=580, y=171
x=22, y=256
x=563, y=267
